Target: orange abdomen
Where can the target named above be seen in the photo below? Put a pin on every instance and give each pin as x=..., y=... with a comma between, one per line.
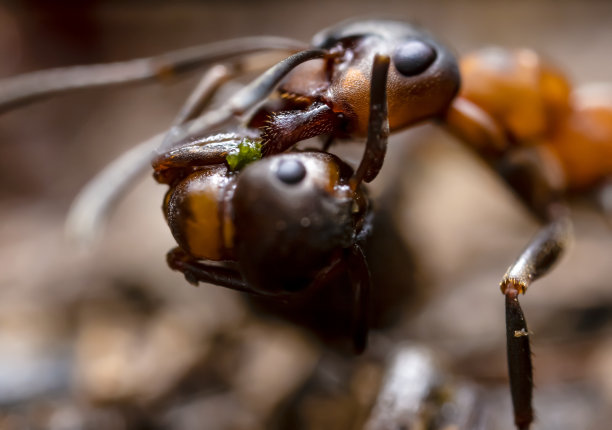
x=583, y=143
x=524, y=95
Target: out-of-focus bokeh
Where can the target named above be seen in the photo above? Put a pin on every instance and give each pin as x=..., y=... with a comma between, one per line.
x=112, y=338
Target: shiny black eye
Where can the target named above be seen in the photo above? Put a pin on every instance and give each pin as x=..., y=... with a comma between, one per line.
x=291, y=171
x=413, y=57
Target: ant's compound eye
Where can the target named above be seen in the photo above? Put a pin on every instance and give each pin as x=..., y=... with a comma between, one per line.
x=291, y=171
x=413, y=57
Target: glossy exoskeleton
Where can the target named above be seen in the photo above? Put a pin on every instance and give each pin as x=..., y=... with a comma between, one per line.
x=359, y=78
x=373, y=77
x=282, y=225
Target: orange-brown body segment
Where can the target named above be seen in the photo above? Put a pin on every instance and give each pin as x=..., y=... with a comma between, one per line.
x=583, y=143
x=196, y=214
x=533, y=105
x=527, y=98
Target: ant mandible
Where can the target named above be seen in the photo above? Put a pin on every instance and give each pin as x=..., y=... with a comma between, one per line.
x=368, y=78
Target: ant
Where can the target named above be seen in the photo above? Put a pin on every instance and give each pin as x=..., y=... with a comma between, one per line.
x=359, y=79
x=284, y=226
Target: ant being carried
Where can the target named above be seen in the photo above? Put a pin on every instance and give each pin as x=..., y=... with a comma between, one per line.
x=252, y=215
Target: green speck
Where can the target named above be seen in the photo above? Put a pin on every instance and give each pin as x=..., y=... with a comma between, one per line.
x=246, y=152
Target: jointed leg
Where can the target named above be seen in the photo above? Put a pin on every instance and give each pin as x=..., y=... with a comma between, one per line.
x=23, y=89
x=532, y=176
x=93, y=203
x=207, y=87
x=284, y=129
x=90, y=208
x=378, y=127
x=520, y=369
x=540, y=255
x=196, y=271
x=359, y=274
x=176, y=163
x=198, y=100
x=246, y=98
x=476, y=127
x=535, y=261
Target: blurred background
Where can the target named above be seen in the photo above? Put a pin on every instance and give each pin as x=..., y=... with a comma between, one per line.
x=112, y=338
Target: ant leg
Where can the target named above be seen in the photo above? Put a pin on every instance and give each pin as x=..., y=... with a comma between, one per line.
x=286, y=128
x=476, y=127
x=535, y=261
x=199, y=99
x=176, y=163
x=196, y=271
x=257, y=90
x=360, y=279
x=535, y=180
x=91, y=206
x=352, y=260
x=29, y=87
x=378, y=127
x=207, y=87
x=246, y=98
x=532, y=172
x=214, y=149
x=93, y=203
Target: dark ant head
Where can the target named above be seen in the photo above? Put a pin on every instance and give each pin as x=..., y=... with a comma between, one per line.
x=292, y=212
x=422, y=81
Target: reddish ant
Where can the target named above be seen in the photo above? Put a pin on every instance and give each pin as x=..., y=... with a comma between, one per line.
x=285, y=226
x=361, y=78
